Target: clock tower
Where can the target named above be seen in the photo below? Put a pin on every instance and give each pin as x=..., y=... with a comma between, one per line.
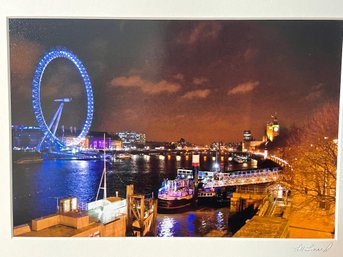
x=272, y=129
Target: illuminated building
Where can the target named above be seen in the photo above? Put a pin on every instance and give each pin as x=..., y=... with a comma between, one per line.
x=182, y=143
x=131, y=139
x=272, y=129
x=254, y=145
x=95, y=140
x=249, y=143
x=159, y=145
x=217, y=146
x=233, y=146
x=116, y=144
x=247, y=140
x=68, y=135
x=26, y=137
x=247, y=135
x=30, y=137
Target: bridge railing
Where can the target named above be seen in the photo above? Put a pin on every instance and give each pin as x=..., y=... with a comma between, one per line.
x=278, y=160
x=245, y=177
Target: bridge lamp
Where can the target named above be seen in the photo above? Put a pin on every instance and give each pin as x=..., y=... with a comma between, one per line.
x=265, y=154
x=279, y=192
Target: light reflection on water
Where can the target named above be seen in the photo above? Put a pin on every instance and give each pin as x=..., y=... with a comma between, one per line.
x=36, y=188
x=166, y=227
x=192, y=223
x=220, y=220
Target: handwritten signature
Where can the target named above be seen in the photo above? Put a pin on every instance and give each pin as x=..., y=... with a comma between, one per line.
x=313, y=248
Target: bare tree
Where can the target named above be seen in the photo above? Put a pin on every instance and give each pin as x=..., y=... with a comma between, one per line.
x=312, y=155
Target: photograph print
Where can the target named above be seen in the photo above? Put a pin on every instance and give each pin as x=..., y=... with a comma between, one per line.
x=174, y=128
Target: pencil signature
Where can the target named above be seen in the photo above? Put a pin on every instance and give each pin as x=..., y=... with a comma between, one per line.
x=313, y=248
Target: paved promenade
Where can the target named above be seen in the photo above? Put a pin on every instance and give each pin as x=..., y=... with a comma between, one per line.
x=310, y=221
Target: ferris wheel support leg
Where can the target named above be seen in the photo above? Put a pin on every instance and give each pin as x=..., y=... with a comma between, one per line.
x=52, y=122
x=39, y=146
x=55, y=116
x=60, y=109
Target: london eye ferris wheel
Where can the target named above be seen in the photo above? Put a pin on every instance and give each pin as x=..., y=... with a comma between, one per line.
x=49, y=130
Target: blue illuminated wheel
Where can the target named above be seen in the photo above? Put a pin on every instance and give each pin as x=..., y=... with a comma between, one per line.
x=36, y=99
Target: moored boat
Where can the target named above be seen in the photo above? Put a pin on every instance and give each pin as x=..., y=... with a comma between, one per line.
x=206, y=196
x=206, y=193
x=177, y=194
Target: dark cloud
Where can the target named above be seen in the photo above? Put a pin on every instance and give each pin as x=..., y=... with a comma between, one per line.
x=201, y=31
x=201, y=80
x=179, y=76
x=23, y=59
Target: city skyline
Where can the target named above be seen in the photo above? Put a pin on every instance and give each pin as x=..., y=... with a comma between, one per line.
x=204, y=81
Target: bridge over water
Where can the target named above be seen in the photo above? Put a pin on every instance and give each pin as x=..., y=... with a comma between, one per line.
x=249, y=177
x=246, y=177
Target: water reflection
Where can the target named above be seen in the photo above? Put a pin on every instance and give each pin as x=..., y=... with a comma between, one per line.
x=220, y=220
x=166, y=227
x=37, y=186
x=193, y=223
x=191, y=219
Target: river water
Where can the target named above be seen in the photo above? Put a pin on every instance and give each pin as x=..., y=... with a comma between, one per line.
x=37, y=188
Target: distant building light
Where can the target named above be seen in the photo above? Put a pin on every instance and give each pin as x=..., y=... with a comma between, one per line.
x=216, y=165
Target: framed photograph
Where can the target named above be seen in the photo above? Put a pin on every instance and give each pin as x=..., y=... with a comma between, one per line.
x=171, y=130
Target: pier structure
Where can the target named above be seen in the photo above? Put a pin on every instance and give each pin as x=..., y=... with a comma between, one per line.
x=270, y=221
x=245, y=196
x=142, y=213
x=110, y=217
x=70, y=221
x=260, y=196
x=111, y=212
x=272, y=205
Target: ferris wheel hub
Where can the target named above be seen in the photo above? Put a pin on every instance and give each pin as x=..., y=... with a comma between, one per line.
x=63, y=100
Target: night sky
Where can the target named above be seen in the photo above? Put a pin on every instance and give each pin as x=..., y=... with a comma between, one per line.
x=201, y=80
